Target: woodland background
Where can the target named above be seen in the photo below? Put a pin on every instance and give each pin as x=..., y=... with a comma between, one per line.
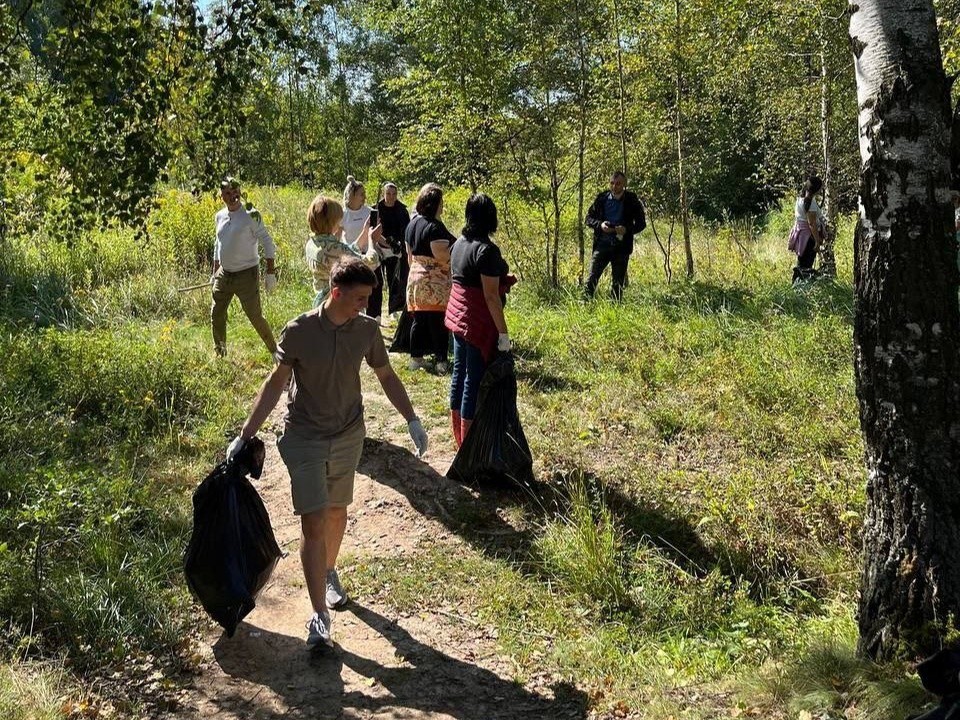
x=715, y=109
x=705, y=433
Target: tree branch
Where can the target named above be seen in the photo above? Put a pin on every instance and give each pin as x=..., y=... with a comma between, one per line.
x=16, y=27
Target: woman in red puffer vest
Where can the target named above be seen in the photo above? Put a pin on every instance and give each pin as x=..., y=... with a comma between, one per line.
x=475, y=309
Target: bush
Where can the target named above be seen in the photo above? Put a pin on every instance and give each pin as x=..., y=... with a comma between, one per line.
x=182, y=231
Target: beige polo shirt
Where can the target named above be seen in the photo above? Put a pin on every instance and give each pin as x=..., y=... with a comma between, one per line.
x=325, y=400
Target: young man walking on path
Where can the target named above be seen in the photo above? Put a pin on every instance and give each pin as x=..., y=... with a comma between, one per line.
x=236, y=266
x=616, y=216
x=323, y=428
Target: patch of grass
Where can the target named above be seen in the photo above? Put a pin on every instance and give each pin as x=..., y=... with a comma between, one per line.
x=678, y=632
x=711, y=399
x=34, y=692
x=584, y=550
x=93, y=563
x=827, y=679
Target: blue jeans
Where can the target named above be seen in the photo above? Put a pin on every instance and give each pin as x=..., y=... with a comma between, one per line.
x=468, y=369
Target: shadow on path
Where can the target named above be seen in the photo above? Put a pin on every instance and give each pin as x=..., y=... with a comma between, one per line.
x=473, y=513
x=436, y=682
x=309, y=684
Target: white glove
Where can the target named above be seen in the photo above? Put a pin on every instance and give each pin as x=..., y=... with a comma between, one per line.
x=235, y=447
x=418, y=435
x=503, y=342
x=269, y=281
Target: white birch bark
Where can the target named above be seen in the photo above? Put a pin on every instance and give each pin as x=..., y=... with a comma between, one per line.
x=906, y=331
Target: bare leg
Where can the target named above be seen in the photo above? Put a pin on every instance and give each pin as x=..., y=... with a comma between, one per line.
x=335, y=524
x=313, y=553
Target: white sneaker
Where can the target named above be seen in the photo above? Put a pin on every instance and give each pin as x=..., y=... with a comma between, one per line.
x=442, y=367
x=336, y=597
x=318, y=630
x=416, y=364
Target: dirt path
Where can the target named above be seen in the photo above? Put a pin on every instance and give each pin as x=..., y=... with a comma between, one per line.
x=427, y=665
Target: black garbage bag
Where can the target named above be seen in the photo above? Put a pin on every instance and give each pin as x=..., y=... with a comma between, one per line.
x=495, y=450
x=232, y=550
x=401, y=336
x=939, y=674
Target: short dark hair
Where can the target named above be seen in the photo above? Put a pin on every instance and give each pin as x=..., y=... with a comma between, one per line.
x=480, y=216
x=229, y=183
x=349, y=272
x=429, y=199
x=618, y=174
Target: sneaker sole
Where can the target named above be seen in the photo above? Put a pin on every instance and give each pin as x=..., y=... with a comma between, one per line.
x=340, y=605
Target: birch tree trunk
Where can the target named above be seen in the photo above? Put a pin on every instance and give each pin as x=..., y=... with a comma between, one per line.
x=906, y=331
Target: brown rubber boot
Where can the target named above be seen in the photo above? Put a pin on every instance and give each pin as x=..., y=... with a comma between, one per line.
x=456, y=424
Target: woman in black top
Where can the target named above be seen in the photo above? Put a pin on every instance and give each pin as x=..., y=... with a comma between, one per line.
x=475, y=309
x=428, y=284
x=393, y=269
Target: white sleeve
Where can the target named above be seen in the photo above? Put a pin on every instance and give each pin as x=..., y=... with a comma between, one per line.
x=263, y=236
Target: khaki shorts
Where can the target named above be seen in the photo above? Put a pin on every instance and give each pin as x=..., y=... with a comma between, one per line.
x=321, y=471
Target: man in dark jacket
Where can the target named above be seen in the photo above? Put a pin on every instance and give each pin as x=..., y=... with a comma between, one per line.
x=615, y=216
x=394, y=269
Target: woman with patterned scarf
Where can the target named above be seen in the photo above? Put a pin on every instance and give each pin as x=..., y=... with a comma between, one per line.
x=428, y=285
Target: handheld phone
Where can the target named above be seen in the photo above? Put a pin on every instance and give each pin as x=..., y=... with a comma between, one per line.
x=374, y=218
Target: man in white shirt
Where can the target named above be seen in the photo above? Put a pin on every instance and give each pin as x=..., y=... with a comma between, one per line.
x=236, y=266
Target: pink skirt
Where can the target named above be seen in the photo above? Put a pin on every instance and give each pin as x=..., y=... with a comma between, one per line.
x=800, y=235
